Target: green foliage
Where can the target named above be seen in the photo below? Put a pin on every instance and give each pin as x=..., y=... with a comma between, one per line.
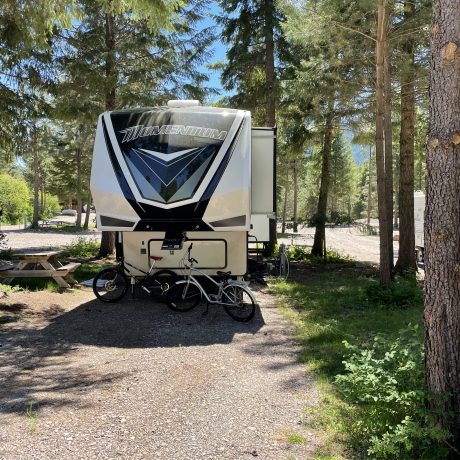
x=51, y=206
x=82, y=247
x=303, y=254
x=14, y=198
x=404, y=292
x=384, y=385
x=327, y=308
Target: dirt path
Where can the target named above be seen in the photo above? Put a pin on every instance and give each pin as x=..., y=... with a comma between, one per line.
x=83, y=380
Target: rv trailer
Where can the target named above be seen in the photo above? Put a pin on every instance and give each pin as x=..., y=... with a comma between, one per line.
x=184, y=170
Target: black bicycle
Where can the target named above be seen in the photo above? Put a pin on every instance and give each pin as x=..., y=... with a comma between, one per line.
x=111, y=284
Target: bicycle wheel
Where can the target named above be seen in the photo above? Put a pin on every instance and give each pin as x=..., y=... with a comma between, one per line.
x=110, y=285
x=183, y=297
x=159, y=283
x=238, y=302
x=283, y=266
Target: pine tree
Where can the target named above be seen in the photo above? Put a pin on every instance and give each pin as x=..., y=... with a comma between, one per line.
x=442, y=220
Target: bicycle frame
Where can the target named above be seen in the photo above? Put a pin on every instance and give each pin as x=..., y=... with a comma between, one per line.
x=190, y=279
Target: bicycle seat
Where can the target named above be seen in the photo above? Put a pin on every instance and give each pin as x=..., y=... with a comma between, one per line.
x=223, y=274
x=156, y=257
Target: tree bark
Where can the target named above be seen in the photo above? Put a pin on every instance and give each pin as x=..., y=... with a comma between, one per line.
x=369, y=191
x=270, y=63
x=406, y=257
x=442, y=219
x=296, y=194
x=270, y=79
x=286, y=186
x=88, y=212
x=79, y=198
x=319, y=241
x=385, y=264
x=388, y=145
x=108, y=238
x=36, y=163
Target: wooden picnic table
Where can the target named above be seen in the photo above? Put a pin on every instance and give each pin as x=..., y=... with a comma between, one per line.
x=41, y=265
x=52, y=223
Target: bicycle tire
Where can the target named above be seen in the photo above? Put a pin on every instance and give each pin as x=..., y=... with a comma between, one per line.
x=283, y=266
x=183, y=297
x=159, y=283
x=110, y=285
x=243, y=308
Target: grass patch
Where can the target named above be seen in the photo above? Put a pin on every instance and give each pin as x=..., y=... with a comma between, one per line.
x=32, y=417
x=89, y=270
x=338, y=309
x=295, y=438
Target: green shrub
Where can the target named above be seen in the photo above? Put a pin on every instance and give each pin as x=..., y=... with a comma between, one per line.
x=403, y=292
x=303, y=254
x=52, y=207
x=14, y=198
x=385, y=385
x=82, y=247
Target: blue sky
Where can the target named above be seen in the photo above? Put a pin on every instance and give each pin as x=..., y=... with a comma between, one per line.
x=219, y=50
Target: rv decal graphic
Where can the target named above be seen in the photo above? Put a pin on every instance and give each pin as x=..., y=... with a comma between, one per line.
x=169, y=177
x=134, y=132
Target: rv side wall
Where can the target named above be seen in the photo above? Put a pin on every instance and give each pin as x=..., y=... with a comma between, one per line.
x=225, y=251
x=262, y=182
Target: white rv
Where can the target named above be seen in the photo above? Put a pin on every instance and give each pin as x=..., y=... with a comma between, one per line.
x=419, y=216
x=159, y=173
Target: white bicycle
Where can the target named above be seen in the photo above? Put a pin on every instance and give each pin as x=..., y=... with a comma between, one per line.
x=235, y=296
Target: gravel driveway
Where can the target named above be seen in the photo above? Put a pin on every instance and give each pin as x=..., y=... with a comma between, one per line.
x=84, y=380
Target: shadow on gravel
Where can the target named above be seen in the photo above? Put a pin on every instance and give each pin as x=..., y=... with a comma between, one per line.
x=143, y=323
x=34, y=363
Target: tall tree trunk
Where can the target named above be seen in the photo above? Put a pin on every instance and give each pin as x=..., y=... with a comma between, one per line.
x=406, y=257
x=36, y=163
x=108, y=238
x=270, y=78
x=270, y=63
x=296, y=195
x=388, y=146
x=79, y=197
x=385, y=264
x=319, y=241
x=442, y=219
x=286, y=187
x=88, y=212
x=369, y=191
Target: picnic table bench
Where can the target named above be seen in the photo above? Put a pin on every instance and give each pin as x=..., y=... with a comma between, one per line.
x=40, y=265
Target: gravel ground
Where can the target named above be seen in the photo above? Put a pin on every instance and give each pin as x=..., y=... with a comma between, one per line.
x=133, y=380
x=84, y=380
x=348, y=240
x=44, y=239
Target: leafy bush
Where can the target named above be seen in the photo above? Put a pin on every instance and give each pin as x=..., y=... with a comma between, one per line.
x=385, y=385
x=301, y=253
x=14, y=198
x=51, y=207
x=82, y=247
x=403, y=292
